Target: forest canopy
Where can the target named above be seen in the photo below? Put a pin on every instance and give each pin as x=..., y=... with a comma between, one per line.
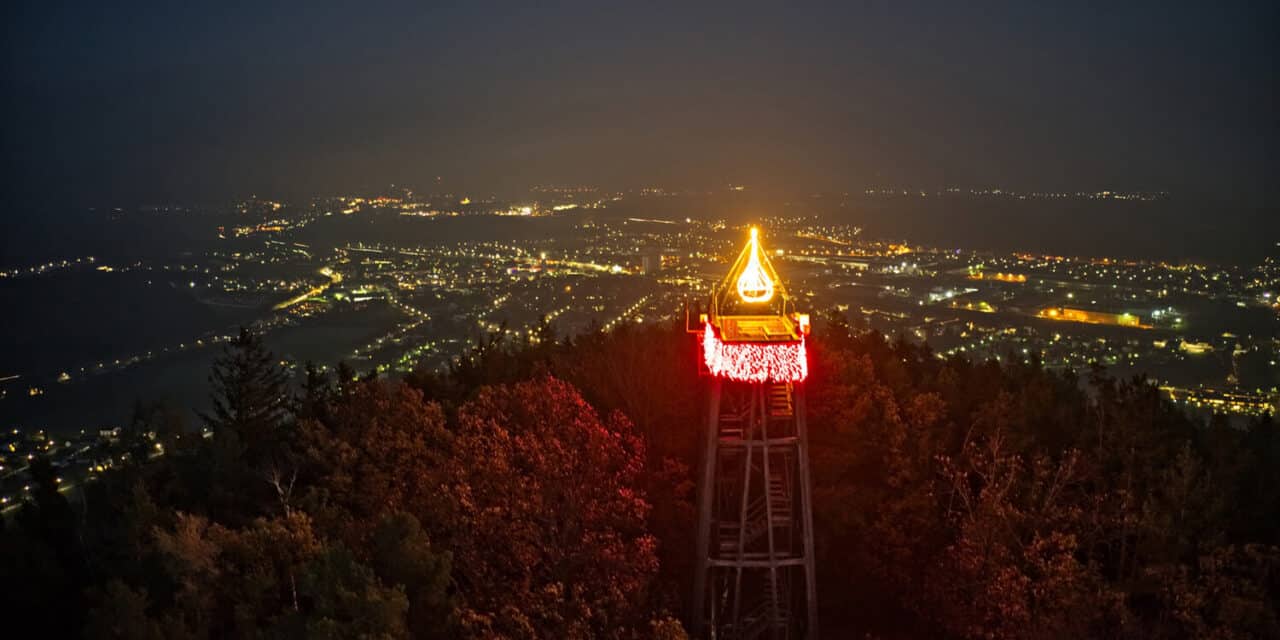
x=541, y=489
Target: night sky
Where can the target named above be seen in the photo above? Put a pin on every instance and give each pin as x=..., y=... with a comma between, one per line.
x=165, y=101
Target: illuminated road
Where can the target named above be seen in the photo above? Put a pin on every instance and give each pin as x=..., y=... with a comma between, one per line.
x=808, y=235
x=334, y=278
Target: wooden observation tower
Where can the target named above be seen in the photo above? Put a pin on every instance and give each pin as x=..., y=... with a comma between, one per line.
x=754, y=567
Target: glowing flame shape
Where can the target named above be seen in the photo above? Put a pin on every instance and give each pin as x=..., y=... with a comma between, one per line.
x=754, y=285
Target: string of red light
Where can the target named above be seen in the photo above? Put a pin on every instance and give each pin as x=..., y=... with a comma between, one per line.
x=754, y=362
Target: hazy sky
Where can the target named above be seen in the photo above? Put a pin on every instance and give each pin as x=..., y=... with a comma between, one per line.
x=164, y=101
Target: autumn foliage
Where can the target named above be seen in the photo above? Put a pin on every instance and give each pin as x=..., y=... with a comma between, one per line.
x=542, y=490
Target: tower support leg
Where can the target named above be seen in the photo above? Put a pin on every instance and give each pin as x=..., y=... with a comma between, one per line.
x=806, y=509
x=706, y=498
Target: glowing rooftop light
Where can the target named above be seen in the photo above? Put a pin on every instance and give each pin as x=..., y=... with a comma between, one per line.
x=754, y=285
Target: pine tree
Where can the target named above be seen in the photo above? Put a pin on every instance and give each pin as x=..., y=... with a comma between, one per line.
x=318, y=391
x=250, y=397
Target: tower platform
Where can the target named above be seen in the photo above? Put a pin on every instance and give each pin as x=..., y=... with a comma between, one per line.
x=754, y=576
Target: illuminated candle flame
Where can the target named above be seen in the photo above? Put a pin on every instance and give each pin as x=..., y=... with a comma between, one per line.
x=754, y=285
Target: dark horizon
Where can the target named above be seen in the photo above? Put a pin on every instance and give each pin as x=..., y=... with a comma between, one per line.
x=159, y=103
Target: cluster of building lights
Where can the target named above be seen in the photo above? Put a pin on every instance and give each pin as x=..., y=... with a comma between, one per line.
x=46, y=267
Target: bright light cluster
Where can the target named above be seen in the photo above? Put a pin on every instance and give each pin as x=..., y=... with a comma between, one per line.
x=754, y=361
x=754, y=285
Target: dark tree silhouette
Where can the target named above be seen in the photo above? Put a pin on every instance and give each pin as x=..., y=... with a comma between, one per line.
x=250, y=397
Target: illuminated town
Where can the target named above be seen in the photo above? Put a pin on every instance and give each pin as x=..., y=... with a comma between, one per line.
x=394, y=301
x=565, y=321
